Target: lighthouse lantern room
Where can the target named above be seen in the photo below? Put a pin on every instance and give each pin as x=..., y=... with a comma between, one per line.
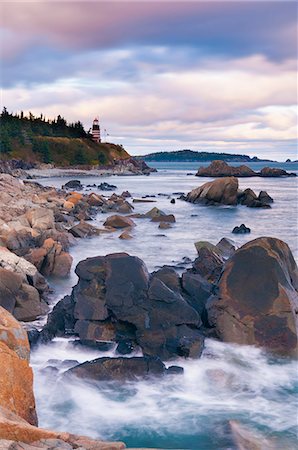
x=96, y=130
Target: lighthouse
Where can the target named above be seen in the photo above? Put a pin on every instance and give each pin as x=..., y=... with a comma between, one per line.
x=96, y=130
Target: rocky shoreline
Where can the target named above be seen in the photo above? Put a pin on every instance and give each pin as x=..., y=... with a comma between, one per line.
x=24, y=170
x=246, y=295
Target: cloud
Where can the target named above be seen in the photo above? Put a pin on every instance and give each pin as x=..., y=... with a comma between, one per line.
x=211, y=75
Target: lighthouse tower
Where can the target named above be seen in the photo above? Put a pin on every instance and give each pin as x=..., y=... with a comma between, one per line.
x=96, y=130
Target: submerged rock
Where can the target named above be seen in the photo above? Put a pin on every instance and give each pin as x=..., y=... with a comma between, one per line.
x=73, y=184
x=242, y=229
x=257, y=299
x=119, y=369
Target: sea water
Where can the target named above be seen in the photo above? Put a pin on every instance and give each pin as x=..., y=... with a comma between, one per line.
x=189, y=411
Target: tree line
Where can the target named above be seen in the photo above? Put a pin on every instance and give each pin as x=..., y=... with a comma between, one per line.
x=24, y=129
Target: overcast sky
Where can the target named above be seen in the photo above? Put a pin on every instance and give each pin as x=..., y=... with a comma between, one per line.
x=211, y=76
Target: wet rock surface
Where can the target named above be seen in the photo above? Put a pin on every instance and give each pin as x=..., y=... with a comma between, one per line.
x=117, y=299
x=257, y=299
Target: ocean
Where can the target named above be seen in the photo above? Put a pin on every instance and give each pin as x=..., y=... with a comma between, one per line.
x=228, y=382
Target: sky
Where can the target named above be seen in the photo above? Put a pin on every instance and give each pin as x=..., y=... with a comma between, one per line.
x=207, y=76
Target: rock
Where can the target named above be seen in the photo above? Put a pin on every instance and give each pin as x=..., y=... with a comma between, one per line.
x=106, y=187
x=125, y=194
x=41, y=218
x=227, y=247
x=62, y=265
x=125, y=347
x=257, y=298
x=264, y=197
x=164, y=225
x=208, y=263
x=222, y=191
x=18, y=430
x=119, y=369
x=222, y=169
x=154, y=213
x=143, y=200
x=274, y=172
x=73, y=184
x=125, y=236
x=173, y=201
x=96, y=200
x=198, y=290
x=168, y=218
x=117, y=300
x=75, y=198
x=242, y=229
x=125, y=208
x=83, y=230
x=19, y=298
x=247, y=438
x=250, y=199
x=175, y=370
x=117, y=221
x=24, y=268
x=16, y=378
x=50, y=259
x=68, y=205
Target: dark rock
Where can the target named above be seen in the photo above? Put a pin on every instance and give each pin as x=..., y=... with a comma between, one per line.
x=73, y=184
x=83, y=230
x=106, y=187
x=164, y=225
x=257, y=298
x=116, y=300
x=119, y=369
x=242, y=229
x=250, y=199
x=264, y=197
x=208, y=264
x=173, y=201
x=198, y=290
x=175, y=370
x=101, y=346
x=125, y=347
x=227, y=247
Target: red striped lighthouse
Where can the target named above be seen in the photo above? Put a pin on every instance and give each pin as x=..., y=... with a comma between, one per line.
x=96, y=130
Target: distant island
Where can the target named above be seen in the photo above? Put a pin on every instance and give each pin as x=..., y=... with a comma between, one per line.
x=192, y=156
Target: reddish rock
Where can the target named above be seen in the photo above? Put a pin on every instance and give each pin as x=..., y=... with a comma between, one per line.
x=117, y=221
x=257, y=300
x=223, y=191
x=16, y=377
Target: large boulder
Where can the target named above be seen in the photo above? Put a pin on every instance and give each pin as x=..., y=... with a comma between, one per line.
x=222, y=169
x=119, y=369
x=16, y=377
x=221, y=191
x=41, y=218
x=257, y=300
x=116, y=299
